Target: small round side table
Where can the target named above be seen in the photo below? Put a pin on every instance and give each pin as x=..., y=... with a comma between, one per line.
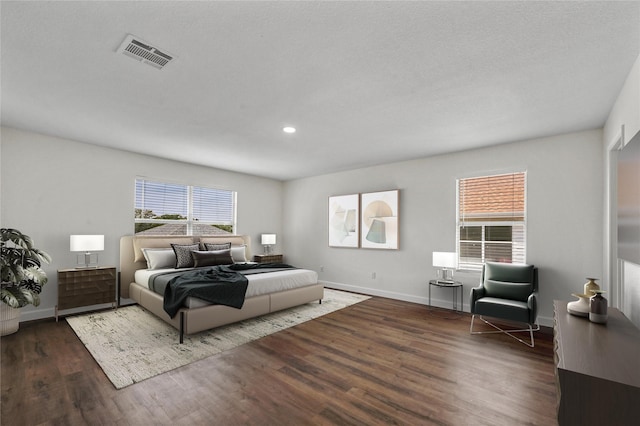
x=457, y=288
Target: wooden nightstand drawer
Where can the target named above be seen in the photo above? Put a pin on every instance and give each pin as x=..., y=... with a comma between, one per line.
x=268, y=258
x=86, y=287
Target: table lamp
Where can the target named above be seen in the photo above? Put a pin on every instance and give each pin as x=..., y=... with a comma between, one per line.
x=447, y=262
x=267, y=241
x=87, y=244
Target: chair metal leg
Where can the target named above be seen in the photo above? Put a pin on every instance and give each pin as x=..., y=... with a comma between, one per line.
x=531, y=329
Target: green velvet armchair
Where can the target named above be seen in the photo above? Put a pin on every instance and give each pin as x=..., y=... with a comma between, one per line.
x=507, y=292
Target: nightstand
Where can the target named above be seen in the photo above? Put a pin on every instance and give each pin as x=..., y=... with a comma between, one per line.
x=456, y=286
x=86, y=287
x=268, y=258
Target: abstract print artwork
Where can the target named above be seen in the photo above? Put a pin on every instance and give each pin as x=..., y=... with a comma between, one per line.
x=344, y=211
x=379, y=224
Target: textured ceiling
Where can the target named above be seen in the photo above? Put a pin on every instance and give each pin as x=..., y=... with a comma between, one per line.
x=365, y=83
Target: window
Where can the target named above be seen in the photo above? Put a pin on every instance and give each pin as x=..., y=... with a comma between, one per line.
x=491, y=224
x=174, y=209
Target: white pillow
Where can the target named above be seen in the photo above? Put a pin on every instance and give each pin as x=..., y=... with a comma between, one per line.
x=238, y=254
x=159, y=258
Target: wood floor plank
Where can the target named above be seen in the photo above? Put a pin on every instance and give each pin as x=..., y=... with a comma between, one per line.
x=381, y=361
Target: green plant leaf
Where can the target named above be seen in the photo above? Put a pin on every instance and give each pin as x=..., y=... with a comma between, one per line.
x=9, y=298
x=28, y=296
x=21, y=274
x=36, y=299
x=35, y=274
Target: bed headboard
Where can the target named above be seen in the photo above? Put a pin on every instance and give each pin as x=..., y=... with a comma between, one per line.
x=132, y=259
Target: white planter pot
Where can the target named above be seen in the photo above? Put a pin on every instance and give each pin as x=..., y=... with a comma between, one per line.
x=9, y=319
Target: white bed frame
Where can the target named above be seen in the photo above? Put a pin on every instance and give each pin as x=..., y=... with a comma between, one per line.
x=194, y=320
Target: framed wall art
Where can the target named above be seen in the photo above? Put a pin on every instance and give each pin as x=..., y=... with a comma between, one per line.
x=344, y=223
x=380, y=220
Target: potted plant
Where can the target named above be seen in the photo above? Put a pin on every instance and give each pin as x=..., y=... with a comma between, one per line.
x=22, y=277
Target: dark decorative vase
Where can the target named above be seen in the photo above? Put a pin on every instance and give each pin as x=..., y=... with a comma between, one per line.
x=598, y=308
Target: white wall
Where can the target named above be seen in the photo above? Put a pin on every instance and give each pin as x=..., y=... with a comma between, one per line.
x=625, y=114
x=52, y=188
x=626, y=109
x=564, y=212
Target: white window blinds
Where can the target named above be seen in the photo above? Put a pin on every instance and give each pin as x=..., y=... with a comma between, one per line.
x=213, y=205
x=161, y=200
x=491, y=222
x=174, y=209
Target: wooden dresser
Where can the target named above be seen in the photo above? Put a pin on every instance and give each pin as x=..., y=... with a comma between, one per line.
x=268, y=258
x=597, y=369
x=85, y=287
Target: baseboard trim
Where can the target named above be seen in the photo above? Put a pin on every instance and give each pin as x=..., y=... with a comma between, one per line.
x=38, y=314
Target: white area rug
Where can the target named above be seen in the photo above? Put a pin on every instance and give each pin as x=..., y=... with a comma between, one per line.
x=131, y=344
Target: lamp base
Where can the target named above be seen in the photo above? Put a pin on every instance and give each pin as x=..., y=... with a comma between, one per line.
x=87, y=261
x=445, y=275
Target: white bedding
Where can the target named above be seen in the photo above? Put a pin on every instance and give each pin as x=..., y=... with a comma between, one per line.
x=269, y=282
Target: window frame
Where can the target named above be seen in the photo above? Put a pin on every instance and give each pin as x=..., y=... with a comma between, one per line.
x=518, y=239
x=189, y=221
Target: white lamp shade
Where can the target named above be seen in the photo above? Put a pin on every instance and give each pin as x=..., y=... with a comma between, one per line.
x=443, y=259
x=86, y=243
x=268, y=239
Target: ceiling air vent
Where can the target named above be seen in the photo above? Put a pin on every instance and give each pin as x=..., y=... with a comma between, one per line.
x=144, y=52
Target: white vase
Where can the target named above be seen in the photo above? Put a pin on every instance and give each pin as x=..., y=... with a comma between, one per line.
x=579, y=307
x=9, y=319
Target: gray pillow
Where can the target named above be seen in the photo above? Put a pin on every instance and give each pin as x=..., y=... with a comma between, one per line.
x=159, y=258
x=183, y=254
x=216, y=246
x=239, y=254
x=212, y=258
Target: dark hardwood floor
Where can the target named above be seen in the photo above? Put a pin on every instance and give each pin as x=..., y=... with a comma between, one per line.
x=378, y=362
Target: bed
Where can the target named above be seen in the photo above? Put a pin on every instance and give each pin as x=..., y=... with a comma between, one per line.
x=285, y=289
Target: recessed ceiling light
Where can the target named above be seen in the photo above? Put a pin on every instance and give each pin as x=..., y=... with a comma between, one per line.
x=289, y=129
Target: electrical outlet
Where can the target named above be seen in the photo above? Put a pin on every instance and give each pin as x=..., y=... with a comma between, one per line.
x=322, y=269
x=373, y=275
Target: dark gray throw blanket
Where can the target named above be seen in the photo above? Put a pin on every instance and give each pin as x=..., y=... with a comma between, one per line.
x=222, y=285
